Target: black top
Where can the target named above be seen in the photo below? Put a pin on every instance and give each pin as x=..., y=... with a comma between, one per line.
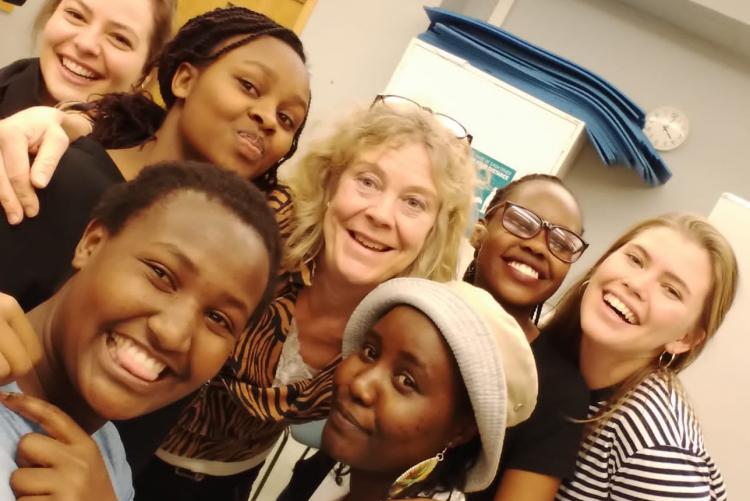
x=21, y=86
x=547, y=442
x=35, y=255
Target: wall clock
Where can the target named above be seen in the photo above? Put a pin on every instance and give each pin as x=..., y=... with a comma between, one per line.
x=666, y=127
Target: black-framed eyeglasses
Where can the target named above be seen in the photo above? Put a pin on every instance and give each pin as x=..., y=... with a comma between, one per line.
x=450, y=123
x=564, y=244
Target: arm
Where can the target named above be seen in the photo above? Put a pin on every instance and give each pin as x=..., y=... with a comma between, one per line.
x=40, y=130
x=520, y=485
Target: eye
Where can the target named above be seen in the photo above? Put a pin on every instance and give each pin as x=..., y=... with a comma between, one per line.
x=121, y=41
x=221, y=320
x=405, y=382
x=74, y=15
x=416, y=203
x=161, y=276
x=249, y=87
x=633, y=258
x=368, y=352
x=672, y=292
x=367, y=182
x=286, y=121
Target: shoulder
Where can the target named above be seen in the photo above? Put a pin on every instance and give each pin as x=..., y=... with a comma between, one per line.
x=113, y=452
x=561, y=385
x=16, y=68
x=20, y=84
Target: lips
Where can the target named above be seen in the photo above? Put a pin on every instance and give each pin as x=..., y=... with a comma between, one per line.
x=252, y=145
x=624, y=311
x=339, y=412
x=369, y=243
x=524, y=268
x=79, y=70
x=134, y=358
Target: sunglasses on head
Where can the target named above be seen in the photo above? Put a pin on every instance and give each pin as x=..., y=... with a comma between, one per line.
x=450, y=123
x=564, y=244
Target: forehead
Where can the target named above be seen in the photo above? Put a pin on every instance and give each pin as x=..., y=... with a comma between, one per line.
x=677, y=254
x=549, y=201
x=134, y=14
x=215, y=240
x=408, y=163
x=285, y=65
x=406, y=329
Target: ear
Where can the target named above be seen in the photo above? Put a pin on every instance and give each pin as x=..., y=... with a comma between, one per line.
x=478, y=234
x=685, y=343
x=92, y=240
x=467, y=430
x=184, y=79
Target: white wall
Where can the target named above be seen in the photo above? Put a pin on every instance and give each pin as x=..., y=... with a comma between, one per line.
x=15, y=32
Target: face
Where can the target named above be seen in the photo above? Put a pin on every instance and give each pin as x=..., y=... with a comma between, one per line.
x=153, y=312
x=380, y=215
x=265, y=91
x=523, y=272
x=393, y=399
x=95, y=47
x=647, y=296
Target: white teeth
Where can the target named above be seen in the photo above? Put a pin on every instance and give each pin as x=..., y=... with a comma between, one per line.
x=139, y=355
x=78, y=69
x=369, y=243
x=621, y=307
x=524, y=269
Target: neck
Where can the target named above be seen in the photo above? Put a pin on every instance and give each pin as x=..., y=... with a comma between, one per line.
x=368, y=485
x=521, y=314
x=333, y=296
x=49, y=380
x=602, y=368
x=167, y=146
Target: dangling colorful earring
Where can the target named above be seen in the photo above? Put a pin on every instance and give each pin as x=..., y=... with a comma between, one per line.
x=415, y=474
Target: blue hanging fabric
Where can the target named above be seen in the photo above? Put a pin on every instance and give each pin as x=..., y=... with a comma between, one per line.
x=614, y=123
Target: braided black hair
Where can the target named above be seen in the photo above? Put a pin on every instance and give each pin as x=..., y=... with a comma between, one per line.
x=501, y=195
x=126, y=120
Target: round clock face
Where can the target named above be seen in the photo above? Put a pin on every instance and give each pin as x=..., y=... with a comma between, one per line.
x=666, y=128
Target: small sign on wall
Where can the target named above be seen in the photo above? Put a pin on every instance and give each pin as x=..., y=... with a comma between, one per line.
x=493, y=175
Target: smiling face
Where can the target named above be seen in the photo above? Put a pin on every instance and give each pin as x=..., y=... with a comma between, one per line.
x=647, y=297
x=95, y=47
x=265, y=92
x=523, y=272
x=153, y=311
x=380, y=215
x=393, y=399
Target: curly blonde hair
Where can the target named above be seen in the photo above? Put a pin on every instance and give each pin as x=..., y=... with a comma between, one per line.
x=317, y=175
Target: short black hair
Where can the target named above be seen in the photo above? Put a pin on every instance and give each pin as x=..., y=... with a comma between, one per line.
x=122, y=202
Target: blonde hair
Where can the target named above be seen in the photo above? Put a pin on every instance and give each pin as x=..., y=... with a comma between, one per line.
x=317, y=176
x=565, y=326
x=163, y=15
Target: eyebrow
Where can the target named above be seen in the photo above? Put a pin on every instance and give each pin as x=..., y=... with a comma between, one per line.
x=121, y=26
x=419, y=189
x=296, y=98
x=669, y=274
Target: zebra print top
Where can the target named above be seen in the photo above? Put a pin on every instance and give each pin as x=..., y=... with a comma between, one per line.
x=650, y=449
x=241, y=414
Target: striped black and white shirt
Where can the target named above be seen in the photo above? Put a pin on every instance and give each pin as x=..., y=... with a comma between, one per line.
x=650, y=449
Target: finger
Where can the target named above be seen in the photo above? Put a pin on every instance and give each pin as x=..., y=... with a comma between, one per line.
x=55, y=422
x=33, y=481
x=15, y=148
x=19, y=342
x=35, y=450
x=54, y=143
x=8, y=199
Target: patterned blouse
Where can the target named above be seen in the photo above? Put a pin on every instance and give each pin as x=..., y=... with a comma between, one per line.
x=241, y=414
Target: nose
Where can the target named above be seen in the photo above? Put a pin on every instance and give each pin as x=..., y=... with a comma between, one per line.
x=381, y=210
x=536, y=245
x=262, y=112
x=172, y=327
x=637, y=283
x=88, y=41
x=363, y=387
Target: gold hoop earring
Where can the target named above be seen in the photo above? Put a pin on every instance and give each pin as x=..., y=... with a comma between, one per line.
x=661, y=364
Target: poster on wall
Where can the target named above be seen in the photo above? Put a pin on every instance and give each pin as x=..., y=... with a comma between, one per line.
x=493, y=175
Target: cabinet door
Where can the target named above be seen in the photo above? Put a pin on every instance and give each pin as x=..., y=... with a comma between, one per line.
x=290, y=13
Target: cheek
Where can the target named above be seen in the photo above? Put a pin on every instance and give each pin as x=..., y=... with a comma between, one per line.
x=415, y=232
x=208, y=354
x=125, y=68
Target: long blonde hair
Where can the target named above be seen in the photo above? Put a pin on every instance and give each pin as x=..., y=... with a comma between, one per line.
x=316, y=179
x=564, y=328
